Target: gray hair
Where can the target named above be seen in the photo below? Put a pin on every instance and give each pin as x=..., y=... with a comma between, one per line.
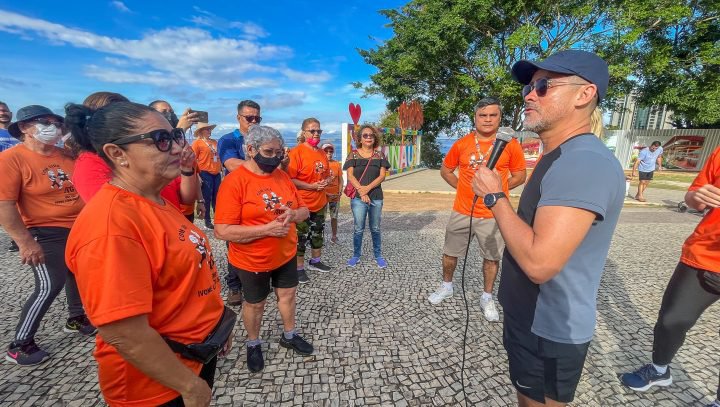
x=259, y=135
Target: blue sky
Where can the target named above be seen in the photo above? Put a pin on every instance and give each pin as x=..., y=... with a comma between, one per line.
x=295, y=58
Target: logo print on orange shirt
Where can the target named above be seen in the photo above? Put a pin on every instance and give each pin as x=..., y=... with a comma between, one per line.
x=474, y=163
x=319, y=167
x=272, y=201
x=57, y=177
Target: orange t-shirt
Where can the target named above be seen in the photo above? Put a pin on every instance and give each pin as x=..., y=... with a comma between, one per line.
x=206, y=153
x=702, y=249
x=466, y=155
x=250, y=199
x=41, y=185
x=309, y=165
x=334, y=187
x=131, y=257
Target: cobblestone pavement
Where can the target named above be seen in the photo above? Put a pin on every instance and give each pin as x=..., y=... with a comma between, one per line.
x=379, y=342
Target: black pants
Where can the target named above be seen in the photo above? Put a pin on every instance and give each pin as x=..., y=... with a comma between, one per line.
x=207, y=373
x=686, y=298
x=231, y=278
x=50, y=278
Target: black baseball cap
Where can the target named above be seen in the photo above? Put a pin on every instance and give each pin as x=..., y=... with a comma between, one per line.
x=28, y=113
x=584, y=64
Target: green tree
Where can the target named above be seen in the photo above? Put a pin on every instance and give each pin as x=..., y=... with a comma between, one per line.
x=677, y=46
x=450, y=54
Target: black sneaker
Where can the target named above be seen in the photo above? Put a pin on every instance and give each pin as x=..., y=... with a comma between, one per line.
x=13, y=248
x=255, y=360
x=319, y=266
x=297, y=343
x=303, y=277
x=209, y=226
x=646, y=377
x=80, y=324
x=26, y=354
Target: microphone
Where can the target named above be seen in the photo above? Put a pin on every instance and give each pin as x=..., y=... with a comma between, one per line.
x=502, y=138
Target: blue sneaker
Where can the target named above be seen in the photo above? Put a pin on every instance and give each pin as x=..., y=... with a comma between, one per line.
x=353, y=261
x=646, y=377
x=381, y=262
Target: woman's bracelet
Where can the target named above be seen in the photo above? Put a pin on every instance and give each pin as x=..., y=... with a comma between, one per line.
x=188, y=173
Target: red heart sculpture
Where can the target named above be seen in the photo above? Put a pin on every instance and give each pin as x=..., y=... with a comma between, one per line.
x=355, y=112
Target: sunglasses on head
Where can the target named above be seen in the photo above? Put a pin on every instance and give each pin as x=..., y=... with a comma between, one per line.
x=314, y=132
x=253, y=119
x=162, y=138
x=542, y=85
x=368, y=135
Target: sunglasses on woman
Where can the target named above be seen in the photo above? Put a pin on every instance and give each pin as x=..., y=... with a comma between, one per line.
x=314, y=132
x=542, y=85
x=162, y=139
x=368, y=135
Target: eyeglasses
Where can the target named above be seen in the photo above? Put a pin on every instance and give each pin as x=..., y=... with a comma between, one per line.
x=253, y=119
x=542, y=85
x=46, y=122
x=162, y=138
x=314, y=132
x=368, y=135
x=329, y=151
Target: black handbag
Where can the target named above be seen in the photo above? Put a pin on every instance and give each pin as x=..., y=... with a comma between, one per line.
x=212, y=345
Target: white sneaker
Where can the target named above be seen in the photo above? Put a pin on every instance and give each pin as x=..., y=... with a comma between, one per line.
x=441, y=294
x=489, y=310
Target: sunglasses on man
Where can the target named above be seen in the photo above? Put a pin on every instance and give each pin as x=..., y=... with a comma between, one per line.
x=314, y=132
x=162, y=139
x=542, y=85
x=252, y=119
x=46, y=121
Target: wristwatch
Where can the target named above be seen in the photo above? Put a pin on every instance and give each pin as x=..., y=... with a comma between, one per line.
x=491, y=199
x=188, y=173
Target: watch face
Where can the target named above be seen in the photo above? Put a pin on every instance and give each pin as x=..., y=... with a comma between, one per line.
x=489, y=200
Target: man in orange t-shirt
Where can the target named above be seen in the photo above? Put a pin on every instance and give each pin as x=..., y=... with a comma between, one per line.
x=209, y=165
x=693, y=287
x=309, y=171
x=334, y=189
x=468, y=154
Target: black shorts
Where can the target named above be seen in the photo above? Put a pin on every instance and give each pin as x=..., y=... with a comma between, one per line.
x=646, y=176
x=540, y=367
x=256, y=285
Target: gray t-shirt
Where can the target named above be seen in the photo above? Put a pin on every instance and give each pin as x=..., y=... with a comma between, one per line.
x=580, y=173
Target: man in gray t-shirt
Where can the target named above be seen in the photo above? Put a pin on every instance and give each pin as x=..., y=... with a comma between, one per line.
x=557, y=243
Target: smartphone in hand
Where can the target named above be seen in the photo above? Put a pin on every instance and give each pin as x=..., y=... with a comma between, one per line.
x=202, y=117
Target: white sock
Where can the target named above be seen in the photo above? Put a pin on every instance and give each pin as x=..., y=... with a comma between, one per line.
x=447, y=286
x=486, y=296
x=660, y=368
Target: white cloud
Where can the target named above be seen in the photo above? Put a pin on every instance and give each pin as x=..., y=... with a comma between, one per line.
x=173, y=56
x=120, y=6
x=305, y=77
x=249, y=28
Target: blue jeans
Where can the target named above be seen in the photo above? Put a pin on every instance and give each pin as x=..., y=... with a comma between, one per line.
x=360, y=211
x=210, y=186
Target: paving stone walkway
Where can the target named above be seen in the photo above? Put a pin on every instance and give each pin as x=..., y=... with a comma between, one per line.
x=379, y=342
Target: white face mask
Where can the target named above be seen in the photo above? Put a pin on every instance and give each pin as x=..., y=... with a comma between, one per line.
x=47, y=134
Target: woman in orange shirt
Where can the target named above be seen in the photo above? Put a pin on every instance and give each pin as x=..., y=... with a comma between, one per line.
x=147, y=275
x=38, y=205
x=208, y=163
x=258, y=207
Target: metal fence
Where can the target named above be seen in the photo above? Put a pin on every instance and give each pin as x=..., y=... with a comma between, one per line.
x=683, y=148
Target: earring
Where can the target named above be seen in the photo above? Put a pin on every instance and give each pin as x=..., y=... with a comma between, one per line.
x=124, y=164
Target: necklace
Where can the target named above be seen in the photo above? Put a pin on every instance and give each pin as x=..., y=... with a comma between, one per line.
x=160, y=202
x=481, y=156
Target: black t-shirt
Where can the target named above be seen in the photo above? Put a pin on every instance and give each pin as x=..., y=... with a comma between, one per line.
x=358, y=163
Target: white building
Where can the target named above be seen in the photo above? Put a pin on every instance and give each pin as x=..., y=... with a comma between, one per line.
x=629, y=115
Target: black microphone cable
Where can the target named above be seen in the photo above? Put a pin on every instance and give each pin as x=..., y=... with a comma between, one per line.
x=467, y=309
